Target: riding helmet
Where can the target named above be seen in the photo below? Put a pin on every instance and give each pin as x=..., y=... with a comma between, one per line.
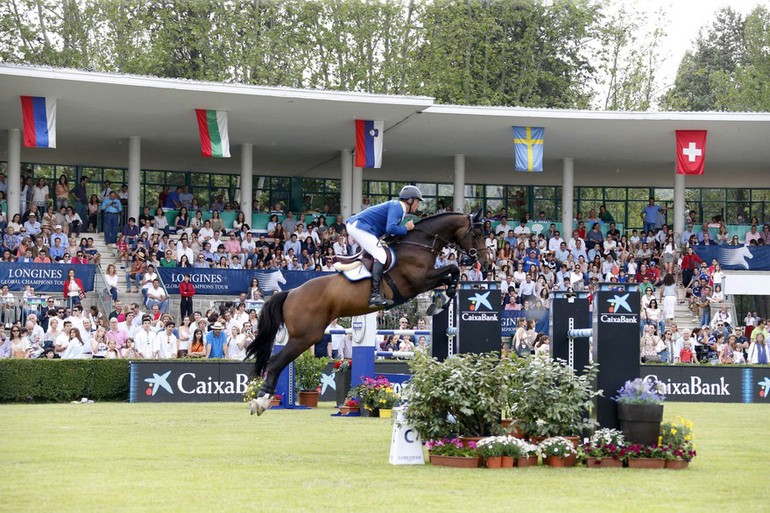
x=410, y=191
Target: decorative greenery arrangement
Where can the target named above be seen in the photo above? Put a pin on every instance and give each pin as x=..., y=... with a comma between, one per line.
x=493, y=446
x=641, y=391
x=645, y=451
x=375, y=393
x=343, y=365
x=606, y=443
x=308, y=370
x=252, y=389
x=557, y=446
x=463, y=395
x=677, y=437
x=451, y=447
x=352, y=403
x=551, y=399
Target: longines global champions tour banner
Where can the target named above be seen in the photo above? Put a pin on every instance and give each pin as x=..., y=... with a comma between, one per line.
x=44, y=277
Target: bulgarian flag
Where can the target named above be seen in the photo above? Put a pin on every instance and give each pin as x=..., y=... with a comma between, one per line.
x=212, y=125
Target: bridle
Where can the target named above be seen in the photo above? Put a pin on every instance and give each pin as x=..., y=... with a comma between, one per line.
x=472, y=254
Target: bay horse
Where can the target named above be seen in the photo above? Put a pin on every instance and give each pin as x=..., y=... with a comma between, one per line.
x=307, y=310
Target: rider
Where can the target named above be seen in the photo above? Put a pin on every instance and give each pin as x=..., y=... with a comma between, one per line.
x=368, y=226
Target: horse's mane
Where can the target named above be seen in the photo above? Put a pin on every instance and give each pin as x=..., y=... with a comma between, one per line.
x=425, y=224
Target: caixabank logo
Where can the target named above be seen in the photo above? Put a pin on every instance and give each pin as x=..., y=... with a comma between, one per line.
x=188, y=383
x=617, y=310
x=764, y=388
x=478, y=308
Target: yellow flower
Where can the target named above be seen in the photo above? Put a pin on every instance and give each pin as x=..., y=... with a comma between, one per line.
x=673, y=431
x=660, y=440
x=687, y=438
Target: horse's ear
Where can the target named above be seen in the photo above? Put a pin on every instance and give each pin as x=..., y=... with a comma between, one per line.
x=476, y=216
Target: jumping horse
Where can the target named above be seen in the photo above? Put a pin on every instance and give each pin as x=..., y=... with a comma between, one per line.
x=307, y=310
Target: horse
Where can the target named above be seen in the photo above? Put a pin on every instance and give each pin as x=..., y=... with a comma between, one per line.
x=307, y=310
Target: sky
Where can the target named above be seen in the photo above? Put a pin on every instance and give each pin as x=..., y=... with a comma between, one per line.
x=686, y=17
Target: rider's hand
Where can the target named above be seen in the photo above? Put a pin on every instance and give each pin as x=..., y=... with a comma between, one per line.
x=409, y=225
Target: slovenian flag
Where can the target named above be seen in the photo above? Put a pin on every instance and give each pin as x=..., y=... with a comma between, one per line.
x=212, y=125
x=528, y=147
x=39, y=121
x=369, y=143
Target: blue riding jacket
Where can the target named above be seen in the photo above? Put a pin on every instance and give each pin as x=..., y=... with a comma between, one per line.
x=381, y=219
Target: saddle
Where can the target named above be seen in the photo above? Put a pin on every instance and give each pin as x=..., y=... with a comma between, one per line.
x=362, y=260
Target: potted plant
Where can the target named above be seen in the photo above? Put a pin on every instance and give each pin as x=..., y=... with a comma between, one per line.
x=677, y=437
x=605, y=449
x=252, y=389
x=342, y=374
x=552, y=399
x=374, y=395
x=491, y=449
x=511, y=450
x=463, y=394
x=307, y=377
x=452, y=452
x=349, y=407
x=645, y=456
x=557, y=451
x=640, y=410
x=528, y=454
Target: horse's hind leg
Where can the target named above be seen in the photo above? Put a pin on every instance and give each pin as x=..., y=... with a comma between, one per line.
x=275, y=366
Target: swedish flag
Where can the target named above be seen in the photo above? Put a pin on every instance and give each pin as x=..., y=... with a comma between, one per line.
x=528, y=147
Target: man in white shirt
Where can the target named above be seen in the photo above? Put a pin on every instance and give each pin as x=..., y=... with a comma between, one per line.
x=144, y=339
x=62, y=340
x=157, y=296
x=555, y=242
x=77, y=317
x=333, y=347
x=522, y=228
x=183, y=248
x=503, y=227
x=249, y=249
x=166, y=343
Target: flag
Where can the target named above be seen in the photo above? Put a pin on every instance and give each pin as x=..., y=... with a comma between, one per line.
x=528, y=147
x=212, y=125
x=39, y=121
x=690, y=152
x=369, y=143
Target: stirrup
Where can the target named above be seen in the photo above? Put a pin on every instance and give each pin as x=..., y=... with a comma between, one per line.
x=377, y=301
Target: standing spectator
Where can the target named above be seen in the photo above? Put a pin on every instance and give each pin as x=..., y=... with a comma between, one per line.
x=758, y=350
x=186, y=291
x=62, y=192
x=111, y=209
x=650, y=215
x=41, y=194
x=73, y=288
x=92, y=212
x=81, y=198
x=144, y=339
x=216, y=341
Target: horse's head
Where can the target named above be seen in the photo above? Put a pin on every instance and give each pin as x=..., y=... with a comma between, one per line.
x=470, y=237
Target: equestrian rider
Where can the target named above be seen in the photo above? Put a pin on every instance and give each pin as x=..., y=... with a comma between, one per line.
x=368, y=226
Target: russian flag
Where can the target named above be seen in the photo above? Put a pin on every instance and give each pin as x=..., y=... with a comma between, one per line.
x=39, y=121
x=369, y=143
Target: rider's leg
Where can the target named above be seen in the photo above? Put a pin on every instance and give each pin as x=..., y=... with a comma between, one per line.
x=371, y=244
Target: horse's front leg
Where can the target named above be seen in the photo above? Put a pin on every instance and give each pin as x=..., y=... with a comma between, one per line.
x=275, y=366
x=449, y=277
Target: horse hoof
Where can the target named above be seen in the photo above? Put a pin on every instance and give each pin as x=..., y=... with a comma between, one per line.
x=433, y=310
x=259, y=405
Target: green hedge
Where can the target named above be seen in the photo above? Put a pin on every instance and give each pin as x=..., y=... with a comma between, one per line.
x=63, y=380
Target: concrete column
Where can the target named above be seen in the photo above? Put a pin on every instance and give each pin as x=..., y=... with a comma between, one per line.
x=679, y=206
x=346, y=183
x=567, y=196
x=134, y=176
x=357, y=189
x=14, y=172
x=458, y=202
x=247, y=180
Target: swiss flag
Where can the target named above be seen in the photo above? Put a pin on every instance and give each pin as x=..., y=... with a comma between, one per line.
x=690, y=152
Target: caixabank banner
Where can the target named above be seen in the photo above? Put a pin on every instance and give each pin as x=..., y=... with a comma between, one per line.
x=712, y=384
x=184, y=381
x=478, y=320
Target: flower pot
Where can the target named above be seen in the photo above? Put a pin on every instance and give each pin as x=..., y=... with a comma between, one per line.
x=559, y=461
x=646, y=463
x=512, y=427
x=592, y=462
x=494, y=462
x=466, y=439
x=506, y=462
x=677, y=464
x=275, y=401
x=640, y=423
x=386, y=413
x=309, y=398
x=529, y=461
x=342, y=386
x=454, y=461
x=370, y=413
x=347, y=410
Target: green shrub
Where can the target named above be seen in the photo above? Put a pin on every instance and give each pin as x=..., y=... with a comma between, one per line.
x=63, y=380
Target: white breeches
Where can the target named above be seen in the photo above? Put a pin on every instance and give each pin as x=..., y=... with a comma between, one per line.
x=369, y=242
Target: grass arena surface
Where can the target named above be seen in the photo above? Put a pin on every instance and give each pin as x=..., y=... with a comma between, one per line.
x=216, y=457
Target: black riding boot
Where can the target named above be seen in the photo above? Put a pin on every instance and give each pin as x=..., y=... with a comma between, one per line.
x=377, y=300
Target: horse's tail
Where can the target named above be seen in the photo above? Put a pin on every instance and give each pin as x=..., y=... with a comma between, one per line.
x=270, y=320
